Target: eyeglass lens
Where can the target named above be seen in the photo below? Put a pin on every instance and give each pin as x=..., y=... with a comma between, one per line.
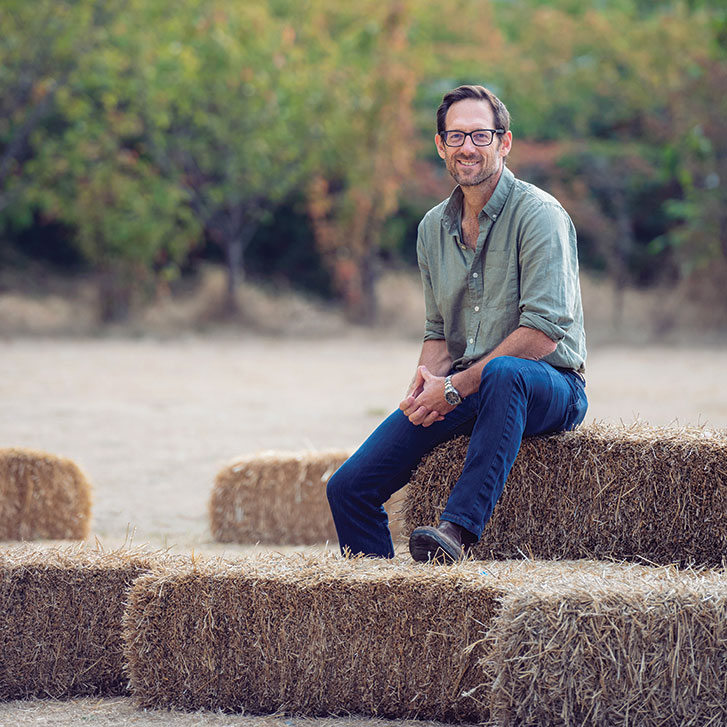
x=480, y=137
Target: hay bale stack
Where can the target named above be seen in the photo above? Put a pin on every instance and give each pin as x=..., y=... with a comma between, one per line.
x=279, y=498
x=61, y=618
x=42, y=496
x=624, y=492
x=626, y=649
x=311, y=635
x=515, y=642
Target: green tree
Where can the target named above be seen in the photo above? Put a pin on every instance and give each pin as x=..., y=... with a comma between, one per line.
x=227, y=110
x=696, y=153
x=631, y=94
x=370, y=135
x=89, y=170
x=41, y=46
x=130, y=223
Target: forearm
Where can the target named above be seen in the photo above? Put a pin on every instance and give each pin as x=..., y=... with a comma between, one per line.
x=522, y=343
x=436, y=359
x=435, y=356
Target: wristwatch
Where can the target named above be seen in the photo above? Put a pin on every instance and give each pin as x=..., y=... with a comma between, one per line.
x=451, y=394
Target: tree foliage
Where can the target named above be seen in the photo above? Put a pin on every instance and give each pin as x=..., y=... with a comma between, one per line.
x=89, y=169
x=146, y=128
x=371, y=140
x=228, y=102
x=42, y=46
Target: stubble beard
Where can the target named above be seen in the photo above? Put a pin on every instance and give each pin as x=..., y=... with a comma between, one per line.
x=487, y=172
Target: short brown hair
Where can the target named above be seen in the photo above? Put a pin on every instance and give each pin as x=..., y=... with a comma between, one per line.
x=480, y=93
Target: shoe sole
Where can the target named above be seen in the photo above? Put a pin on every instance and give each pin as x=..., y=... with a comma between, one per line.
x=427, y=545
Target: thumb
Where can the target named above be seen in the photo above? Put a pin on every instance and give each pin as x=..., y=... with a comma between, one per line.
x=426, y=374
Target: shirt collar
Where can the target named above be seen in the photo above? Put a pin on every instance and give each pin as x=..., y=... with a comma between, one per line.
x=499, y=196
x=453, y=210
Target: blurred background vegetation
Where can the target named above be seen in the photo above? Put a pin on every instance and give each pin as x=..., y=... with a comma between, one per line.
x=292, y=140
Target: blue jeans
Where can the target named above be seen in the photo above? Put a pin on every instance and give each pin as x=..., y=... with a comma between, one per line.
x=516, y=398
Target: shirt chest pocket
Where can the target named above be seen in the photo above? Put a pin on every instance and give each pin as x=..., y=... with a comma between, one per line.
x=501, y=284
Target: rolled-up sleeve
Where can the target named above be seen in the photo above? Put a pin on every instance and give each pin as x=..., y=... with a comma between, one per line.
x=548, y=259
x=434, y=323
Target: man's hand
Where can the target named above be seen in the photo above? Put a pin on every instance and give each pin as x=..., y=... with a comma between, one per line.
x=425, y=402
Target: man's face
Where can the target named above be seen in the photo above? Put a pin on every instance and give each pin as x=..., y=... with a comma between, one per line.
x=468, y=164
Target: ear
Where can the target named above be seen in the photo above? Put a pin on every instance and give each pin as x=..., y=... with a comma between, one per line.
x=505, y=144
x=440, y=146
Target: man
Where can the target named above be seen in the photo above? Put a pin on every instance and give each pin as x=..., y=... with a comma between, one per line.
x=504, y=347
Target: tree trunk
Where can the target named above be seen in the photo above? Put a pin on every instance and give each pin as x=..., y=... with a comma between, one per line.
x=624, y=245
x=368, y=309
x=239, y=234
x=115, y=290
x=235, y=274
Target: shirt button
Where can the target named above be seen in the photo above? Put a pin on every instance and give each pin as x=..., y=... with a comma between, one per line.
x=494, y=217
x=477, y=309
x=472, y=340
x=474, y=275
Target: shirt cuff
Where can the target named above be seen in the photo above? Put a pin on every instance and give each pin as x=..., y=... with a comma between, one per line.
x=553, y=331
x=433, y=336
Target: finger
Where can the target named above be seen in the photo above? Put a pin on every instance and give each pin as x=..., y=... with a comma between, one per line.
x=418, y=415
x=431, y=418
x=416, y=387
x=409, y=405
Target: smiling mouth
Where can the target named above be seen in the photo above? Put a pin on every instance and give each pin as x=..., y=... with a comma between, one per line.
x=468, y=163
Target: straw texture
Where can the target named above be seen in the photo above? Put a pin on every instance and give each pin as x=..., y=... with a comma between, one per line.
x=280, y=498
x=504, y=642
x=42, y=496
x=624, y=650
x=311, y=636
x=602, y=491
x=60, y=619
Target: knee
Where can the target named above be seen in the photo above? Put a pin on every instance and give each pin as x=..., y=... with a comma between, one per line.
x=335, y=487
x=343, y=489
x=501, y=370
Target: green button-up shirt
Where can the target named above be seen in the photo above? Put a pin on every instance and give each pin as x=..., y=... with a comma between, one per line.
x=523, y=272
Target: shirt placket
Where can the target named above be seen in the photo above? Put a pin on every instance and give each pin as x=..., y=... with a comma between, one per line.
x=475, y=288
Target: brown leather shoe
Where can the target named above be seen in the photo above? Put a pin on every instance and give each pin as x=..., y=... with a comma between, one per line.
x=447, y=543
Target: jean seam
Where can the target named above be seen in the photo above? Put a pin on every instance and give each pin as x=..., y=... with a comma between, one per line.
x=509, y=419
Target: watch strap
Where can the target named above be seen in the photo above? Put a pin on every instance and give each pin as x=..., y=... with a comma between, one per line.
x=451, y=394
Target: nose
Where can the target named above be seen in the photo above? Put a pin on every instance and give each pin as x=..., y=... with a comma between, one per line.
x=468, y=145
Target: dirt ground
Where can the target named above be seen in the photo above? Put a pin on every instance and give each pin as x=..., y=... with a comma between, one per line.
x=121, y=712
x=152, y=419
x=151, y=422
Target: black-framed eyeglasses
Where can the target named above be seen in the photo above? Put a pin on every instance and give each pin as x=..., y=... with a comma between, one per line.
x=480, y=137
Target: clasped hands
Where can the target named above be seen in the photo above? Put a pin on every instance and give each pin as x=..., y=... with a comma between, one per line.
x=425, y=404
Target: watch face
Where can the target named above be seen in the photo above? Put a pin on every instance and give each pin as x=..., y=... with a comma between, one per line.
x=451, y=397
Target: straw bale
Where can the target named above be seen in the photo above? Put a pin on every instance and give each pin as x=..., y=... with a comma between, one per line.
x=602, y=491
x=280, y=498
x=42, y=496
x=60, y=619
x=311, y=635
x=621, y=650
x=514, y=642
